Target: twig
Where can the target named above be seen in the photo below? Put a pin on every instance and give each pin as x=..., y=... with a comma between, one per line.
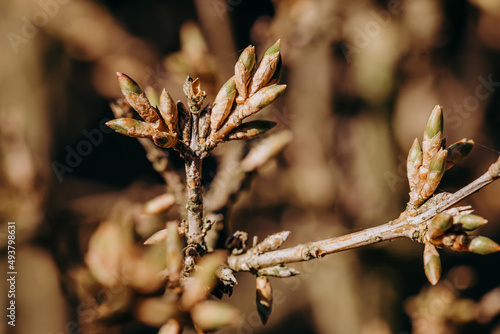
x=404, y=226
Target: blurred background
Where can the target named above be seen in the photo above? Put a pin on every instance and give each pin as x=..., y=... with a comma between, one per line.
x=362, y=78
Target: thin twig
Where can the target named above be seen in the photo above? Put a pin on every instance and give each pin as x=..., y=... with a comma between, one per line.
x=404, y=226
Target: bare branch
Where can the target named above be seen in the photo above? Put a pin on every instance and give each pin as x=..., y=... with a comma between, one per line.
x=404, y=226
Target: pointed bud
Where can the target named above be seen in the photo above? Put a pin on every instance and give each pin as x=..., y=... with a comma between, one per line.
x=266, y=69
x=211, y=315
x=458, y=151
x=137, y=99
x=174, y=251
x=223, y=104
x=413, y=163
x=436, y=171
x=261, y=99
x=272, y=242
x=131, y=127
x=278, y=271
x=264, y=298
x=432, y=264
x=127, y=84
x=243, y=70
x=250, y=130
x=157, y=237
x=483, y=245
x=438, y=163
x=470, y=222
x=159, y=204
x=168, y=111
x=439, y=224
x=435, y=122
x=432, y=140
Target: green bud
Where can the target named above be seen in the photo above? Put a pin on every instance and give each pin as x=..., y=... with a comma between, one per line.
x=483, y=245
x=415, y=153
x=439, y=224
x=273, y=48
x=438, y=162
x=131, y=127
x=432, y=264
x=127, y=84
x=251, y=129
x=457, y=151
x=226, y=90
x=471, y=222
x=435, y=122
x=247, y=58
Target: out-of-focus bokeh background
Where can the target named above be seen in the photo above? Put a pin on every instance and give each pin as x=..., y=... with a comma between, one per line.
x=362, y=78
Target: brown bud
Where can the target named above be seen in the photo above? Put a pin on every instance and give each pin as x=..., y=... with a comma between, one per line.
x=264, y=298
x=458, y=151
x=168, y=111
x=223, y=104
x=131, y=127
x=266, y=69
x=250, y=130
x=243, y=71
x=184, y=122
x=136, y=98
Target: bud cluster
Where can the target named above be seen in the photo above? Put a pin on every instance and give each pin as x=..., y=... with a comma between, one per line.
x=426, y=164
x=249, y=90
x=450, y=231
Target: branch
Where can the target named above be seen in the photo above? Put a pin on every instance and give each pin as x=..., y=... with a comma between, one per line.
x=404, y=226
